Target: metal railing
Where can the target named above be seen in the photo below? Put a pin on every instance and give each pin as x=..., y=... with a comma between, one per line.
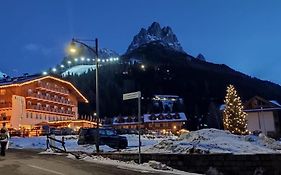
x=51, y=143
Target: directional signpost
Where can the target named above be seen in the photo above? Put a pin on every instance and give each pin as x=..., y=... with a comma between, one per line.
x=130, y=96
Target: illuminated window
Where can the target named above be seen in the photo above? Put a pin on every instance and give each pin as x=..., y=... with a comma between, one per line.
x=2, y=91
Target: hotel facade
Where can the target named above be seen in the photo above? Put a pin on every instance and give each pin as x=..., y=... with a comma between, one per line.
x=29, y=100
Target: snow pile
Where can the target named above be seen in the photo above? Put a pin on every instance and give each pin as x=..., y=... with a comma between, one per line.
x=151, y=166
x=78, y=70
x=146, y=140
x=157, y=165
x=207, y=141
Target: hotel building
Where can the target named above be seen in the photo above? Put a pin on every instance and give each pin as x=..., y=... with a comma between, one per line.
x=29, y=100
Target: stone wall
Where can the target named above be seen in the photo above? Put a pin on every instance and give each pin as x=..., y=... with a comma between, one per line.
x=228, y=164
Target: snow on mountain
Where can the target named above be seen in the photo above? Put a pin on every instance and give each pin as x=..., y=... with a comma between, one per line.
x=107, y=53
x=78, y=70
x=165, y=36
x=2, y=75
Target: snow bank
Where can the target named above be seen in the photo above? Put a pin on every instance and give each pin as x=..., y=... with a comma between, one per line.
x=203, y=141
x=146, y=140
x=207, y=141
x=40, y=143
x=71, y=143
x=151, y=166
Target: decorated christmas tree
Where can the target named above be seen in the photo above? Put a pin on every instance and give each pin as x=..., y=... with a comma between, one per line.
x=234, y=118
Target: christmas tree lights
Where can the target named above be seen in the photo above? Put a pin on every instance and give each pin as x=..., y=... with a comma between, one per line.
x=234, y=118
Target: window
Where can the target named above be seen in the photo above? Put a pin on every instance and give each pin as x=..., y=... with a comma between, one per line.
x=31, y=115
x=27, y=114
x=2, y=91
x=110, y=132
x=102, y=132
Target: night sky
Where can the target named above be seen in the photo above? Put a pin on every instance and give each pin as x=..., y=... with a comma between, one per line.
x=246, y=35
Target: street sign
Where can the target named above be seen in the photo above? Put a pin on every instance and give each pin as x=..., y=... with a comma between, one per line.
x=132, y=95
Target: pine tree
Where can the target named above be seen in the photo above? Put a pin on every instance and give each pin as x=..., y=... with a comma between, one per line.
x=234, y=118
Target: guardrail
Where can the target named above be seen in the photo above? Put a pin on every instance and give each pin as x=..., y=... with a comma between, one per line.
x=51, y=143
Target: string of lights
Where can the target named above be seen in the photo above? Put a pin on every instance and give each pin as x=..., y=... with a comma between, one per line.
x=234, y=118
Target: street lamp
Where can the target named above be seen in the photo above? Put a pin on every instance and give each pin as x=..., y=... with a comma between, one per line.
x=73, y=50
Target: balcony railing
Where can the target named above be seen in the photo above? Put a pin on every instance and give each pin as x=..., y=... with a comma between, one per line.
x=50, y=99
x=5, y=105
x=50, y=110
x=52, y=88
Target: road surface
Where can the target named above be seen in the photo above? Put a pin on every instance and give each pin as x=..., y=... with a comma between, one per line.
x=27, y=162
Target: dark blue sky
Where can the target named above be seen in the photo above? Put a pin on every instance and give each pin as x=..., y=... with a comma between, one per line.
x=242, y=34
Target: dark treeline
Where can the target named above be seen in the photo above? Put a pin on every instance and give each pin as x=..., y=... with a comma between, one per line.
x=202, y=85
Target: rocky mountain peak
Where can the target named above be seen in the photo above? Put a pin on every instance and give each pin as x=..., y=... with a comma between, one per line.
x=201, y=57
x=164, y=36
x=2, y=75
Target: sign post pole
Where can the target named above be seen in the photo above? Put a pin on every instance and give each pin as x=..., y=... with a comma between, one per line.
x=134, y=95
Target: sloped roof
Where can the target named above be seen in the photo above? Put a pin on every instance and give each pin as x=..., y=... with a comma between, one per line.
x=181, y=115
x=23, y=80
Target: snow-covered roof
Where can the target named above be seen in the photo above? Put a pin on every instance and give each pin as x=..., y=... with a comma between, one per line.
x=262, y=109
x=275, y=102
x=165, y=117
x=23, y=80
x=151, y=118
x=134, y=120
x=166, y=96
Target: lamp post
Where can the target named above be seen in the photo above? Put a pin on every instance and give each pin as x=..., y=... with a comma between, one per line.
x=73, y=50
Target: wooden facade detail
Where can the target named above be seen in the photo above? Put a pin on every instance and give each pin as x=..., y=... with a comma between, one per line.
x=27, y=101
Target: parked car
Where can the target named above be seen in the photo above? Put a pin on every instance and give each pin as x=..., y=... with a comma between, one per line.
x=107, y=137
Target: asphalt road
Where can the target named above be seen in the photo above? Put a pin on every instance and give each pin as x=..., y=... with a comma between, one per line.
x=27, y=162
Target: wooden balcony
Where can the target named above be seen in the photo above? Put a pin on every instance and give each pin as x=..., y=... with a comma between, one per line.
x=49, y=110
x=51, y=88
x=5, y=105
x=49, y=99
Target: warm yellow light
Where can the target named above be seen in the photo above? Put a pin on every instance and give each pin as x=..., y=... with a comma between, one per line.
x=45, y=77
x=72, y=50
x=175, y=127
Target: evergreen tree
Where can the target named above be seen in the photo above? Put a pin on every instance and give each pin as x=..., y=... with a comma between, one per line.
x=234, y=117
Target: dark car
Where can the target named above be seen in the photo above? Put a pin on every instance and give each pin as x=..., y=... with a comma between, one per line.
x=107, y=137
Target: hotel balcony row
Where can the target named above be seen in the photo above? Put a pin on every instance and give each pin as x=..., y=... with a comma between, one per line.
x=52, y=88
x=50, y=110
x=47, y=98
x=5, y=105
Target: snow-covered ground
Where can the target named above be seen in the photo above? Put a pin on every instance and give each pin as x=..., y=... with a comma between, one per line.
x=202, y=141
x=214, y=141
x=71, y=143
x=151, y=166
x=78, y=70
